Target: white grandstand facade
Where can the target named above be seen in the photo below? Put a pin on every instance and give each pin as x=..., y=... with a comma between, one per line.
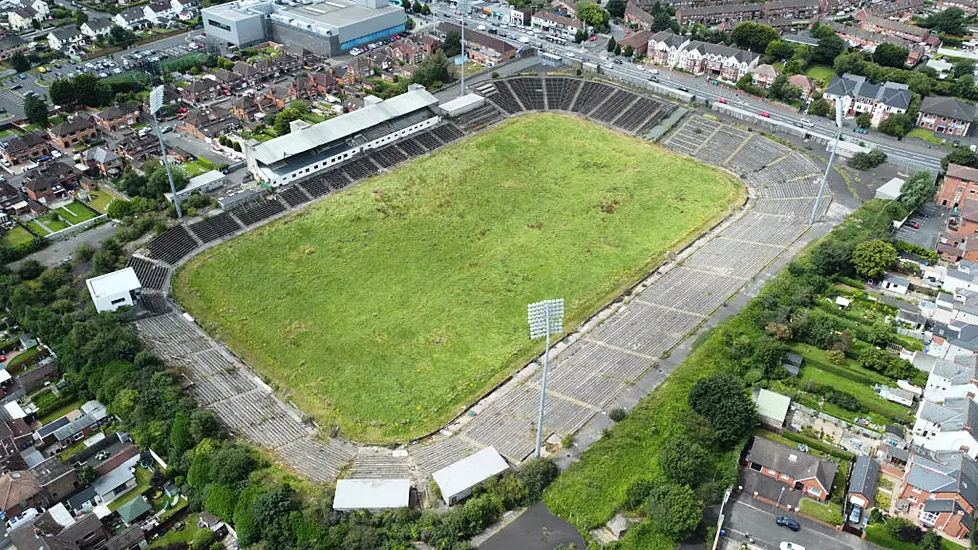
x=311, y=150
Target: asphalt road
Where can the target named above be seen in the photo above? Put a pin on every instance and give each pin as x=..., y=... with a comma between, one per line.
x=535, y=529
x=745, y=515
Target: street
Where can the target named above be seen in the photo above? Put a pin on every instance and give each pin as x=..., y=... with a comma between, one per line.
x=745, y=515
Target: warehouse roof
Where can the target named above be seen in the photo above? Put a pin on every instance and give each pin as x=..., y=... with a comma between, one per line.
x=469, y=471
x=371, y=494
x=347, y=125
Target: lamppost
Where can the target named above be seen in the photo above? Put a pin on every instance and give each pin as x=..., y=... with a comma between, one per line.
x=825, y=177
x=155, y=103
x=545, y=318
x=461, y=56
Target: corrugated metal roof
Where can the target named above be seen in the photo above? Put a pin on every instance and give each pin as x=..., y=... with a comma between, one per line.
x=344, y=126
x=465, y=473
x=371, y=494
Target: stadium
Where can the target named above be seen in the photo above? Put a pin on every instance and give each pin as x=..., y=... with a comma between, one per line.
x=658, y=302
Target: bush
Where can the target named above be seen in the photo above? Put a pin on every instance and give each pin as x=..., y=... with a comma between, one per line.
x=617, y=414
x=902, y=529
x=867, y=161
x=837, y=357
x=637, y=493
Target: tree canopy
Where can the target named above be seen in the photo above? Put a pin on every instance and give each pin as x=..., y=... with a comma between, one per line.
x=753, y=36
x=917, y=190
x=890, y=55
x=872, y=258
x=36, y=109
x=593, y=14
x=676, y=510
x=721, y=399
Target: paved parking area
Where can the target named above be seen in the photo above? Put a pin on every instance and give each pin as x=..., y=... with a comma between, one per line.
x=931, y=219
x=745, y=515
x=535, y=529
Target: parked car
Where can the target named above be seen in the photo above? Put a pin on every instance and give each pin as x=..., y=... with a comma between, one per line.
x=790, y=523
x=857, y=511
x=785, y=545
x=21, y=76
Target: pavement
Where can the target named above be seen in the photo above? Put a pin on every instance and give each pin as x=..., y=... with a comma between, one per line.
x=535, y=529
x=931, y=218
x=745, y=515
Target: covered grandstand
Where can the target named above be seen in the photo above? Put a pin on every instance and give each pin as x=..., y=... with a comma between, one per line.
x=309, y=151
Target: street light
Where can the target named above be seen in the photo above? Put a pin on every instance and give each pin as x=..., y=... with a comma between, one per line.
x=155, y=103
x=545, y=318
x=825, y=177
x=461, y=59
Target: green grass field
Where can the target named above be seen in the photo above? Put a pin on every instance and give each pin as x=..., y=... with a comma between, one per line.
x=76, y=213
x=101, y=198
x=16, y=236
x=391, y=306
x=821, y=73
x=197, y=167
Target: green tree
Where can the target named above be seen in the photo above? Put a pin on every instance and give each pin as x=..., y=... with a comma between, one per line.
x=612, y=44
x=20, y=63
x=890, y=55
x=593, y=14
x=203, y=539
x=864, y=120
x=36, y=109
x=628, y=51
x=896, y=125
x=453, y=44
x=721, y=399
x=917, y=191
x=220, y=501
x=434, y=69
x=930, y=541
x=62, y=92
x=753, y=36
x=616, y=8
x=963, y=67
x=87, y=475
x=777, y=50
x=676, y=510
x=425, y=10
x=158, y=183
x=535, y=475
x=950, y=21
x=872, y=258
x=283, y=120
x=580, y=36
x=617, y=49
x=867, y=161
x=80, y=17
x=960, y=155
x=683, y=460
x=819, y=107
x=416, y=7
x=903, y=530
x=180, y=438
x=829, y=46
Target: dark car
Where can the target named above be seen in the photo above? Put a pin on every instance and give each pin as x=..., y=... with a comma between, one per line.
x=790, y=523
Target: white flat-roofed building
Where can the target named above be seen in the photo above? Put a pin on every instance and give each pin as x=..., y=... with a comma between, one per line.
x=114, y=290
x=457, y=480
x=205, y=183
x=309, y=151
x=462, y=105
x=371, y=494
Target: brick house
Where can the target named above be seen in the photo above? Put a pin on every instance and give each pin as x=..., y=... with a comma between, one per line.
x=805, y=84
x=230, y=80
x=43, y=188
x=883, y=25
x=946, y=115
x=960, y=182
x=208, y=123
x=244, y=107
x=800, y=471
x=23, y=148
x=282, y=93
x=67, y=135
x=11, y=44
x=137, y=148
x=639, y=41
x=201, y=90
x=862, y=483
x=635, y=15
x=762, y=76
x=717, y=60
x=407, y=51
x=942, y=491
x=482, y=48
x=103, y=160
x=117, y=117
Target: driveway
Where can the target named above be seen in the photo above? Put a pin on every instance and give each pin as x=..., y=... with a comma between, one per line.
x=745, y=515
x=195, y=147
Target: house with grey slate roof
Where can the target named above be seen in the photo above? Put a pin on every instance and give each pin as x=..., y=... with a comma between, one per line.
x=858, y=95
x=951, y=426
x=798, y=470
x=946, y=115
x=717, y=60
x=862, y=482
x=942, y=492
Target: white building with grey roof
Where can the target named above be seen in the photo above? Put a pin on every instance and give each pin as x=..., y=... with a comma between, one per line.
x=951, y=426
x=312, y=150
x=858, y=95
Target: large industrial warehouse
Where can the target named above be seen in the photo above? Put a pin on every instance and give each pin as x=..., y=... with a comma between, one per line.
x=327, y=28
x=310, y=150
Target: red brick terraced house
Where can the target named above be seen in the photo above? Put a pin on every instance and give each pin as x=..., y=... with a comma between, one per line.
x=201, y=90
x=117, y=117
x=798, y=470
x=23, y=148
x=74, y=132
x=960, y=182
x=942, y=492
x=946, y=115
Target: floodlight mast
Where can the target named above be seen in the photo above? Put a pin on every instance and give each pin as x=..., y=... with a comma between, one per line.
x=545, y=318
x=825, y=177
x=461, y=42
x=155, y=103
